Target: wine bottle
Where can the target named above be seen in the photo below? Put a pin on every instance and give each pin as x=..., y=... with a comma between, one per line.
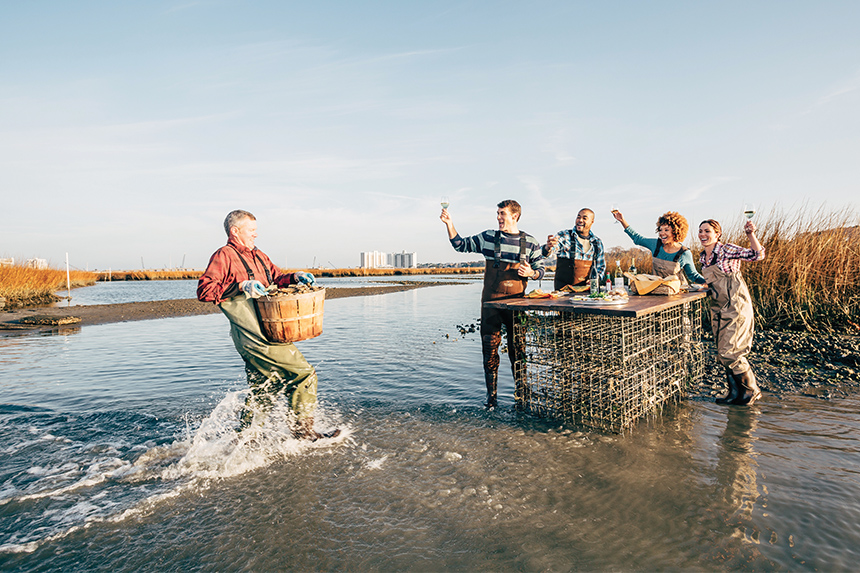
x=619, y=276
x=593, y=280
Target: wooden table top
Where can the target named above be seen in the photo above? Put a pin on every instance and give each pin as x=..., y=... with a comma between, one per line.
x=635, y=307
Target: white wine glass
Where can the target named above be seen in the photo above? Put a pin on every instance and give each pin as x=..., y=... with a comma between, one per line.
x=444, y=201
x=749, y=211
x=554, y=248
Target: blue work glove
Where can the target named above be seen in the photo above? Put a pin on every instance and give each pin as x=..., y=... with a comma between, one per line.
x=252, y=289
x=306, y=278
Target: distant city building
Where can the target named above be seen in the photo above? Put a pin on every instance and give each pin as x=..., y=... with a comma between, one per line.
x=376, y=260
x=405, y=260
x=36, y=264
x=373, y=260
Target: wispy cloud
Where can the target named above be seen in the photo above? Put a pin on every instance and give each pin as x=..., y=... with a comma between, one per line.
x=557, y=148
x=694, y=193
x=544, y=209
x=848, y=86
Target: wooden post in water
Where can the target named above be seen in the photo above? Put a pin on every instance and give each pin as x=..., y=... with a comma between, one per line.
x=68, y=280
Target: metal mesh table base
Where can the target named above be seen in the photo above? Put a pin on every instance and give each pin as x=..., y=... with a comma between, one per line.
x=606, y=372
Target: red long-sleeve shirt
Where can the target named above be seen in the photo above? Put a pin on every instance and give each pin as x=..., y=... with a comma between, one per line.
x=225, y=271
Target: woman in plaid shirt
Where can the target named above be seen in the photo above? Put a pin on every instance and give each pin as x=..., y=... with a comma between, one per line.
x=732, y=319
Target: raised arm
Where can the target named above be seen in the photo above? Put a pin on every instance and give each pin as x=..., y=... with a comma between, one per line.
x=750, y=229
x=620, y=218
x=446, y=218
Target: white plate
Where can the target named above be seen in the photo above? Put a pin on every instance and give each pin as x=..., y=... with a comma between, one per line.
x=600, y=301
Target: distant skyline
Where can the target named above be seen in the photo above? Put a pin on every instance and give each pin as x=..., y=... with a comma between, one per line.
x=129, y=130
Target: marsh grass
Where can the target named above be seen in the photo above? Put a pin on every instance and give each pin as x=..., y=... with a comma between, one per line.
x=21, y=285
x=150, y=275
x=641, y=256
x=808, y=279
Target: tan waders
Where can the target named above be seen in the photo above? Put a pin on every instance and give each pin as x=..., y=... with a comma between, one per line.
x=273, y=368
x=572, y=272
x=500, y=281
x=733, y=324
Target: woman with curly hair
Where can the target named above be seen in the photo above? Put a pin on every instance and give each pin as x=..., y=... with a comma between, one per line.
x=732, y=319
x=669, y=256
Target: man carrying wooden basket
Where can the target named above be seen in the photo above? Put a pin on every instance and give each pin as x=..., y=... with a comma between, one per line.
x=238, y=273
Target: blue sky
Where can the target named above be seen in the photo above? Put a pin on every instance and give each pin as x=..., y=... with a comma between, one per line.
x=129, y=129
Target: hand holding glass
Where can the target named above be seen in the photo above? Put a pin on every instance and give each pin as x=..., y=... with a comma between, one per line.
x=552, y=243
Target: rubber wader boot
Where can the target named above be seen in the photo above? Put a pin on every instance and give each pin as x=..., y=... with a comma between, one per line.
x=305, y=431
x=492, y=379
x=748, y=390
x=733, y=390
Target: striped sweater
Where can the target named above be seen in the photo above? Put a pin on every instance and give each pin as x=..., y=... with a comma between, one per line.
x=509, y=251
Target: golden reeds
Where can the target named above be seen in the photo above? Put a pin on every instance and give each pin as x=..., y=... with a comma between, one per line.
x=809, y=277
x=21, y=285
x=639, y=255
x=149, y=275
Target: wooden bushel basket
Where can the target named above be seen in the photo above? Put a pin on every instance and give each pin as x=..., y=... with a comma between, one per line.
x=292, y=317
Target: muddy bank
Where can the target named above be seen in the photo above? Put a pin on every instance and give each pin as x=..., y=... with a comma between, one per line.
x=10, y=320
x=813, y=364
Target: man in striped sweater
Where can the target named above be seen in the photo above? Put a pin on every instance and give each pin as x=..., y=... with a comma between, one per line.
x=511, y=258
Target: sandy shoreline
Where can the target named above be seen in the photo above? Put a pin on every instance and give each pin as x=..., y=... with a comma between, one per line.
x=129, y=311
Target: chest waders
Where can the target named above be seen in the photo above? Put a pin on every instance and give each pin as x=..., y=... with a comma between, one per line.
x=500, y=281
x=663, y=268
x=733, y=325
x=573, y=271
x=272, y=368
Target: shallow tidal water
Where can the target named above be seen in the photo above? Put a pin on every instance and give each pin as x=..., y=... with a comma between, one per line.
x=114, y=292
x=119, y=454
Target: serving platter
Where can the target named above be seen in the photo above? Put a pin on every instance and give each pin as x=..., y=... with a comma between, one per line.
x=600, y=301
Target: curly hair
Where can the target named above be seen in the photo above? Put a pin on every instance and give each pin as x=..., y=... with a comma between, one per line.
x=676, y=222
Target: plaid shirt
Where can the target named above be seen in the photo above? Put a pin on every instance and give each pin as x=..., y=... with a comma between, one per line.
x=509, y=251
x=226, y=271
x=570, y=247
x=728, y=257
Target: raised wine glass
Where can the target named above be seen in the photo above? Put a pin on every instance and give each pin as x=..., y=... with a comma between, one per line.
x=749, y=211
x=444, y=201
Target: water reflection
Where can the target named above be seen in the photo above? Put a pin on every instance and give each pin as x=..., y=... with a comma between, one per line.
x=736, y=465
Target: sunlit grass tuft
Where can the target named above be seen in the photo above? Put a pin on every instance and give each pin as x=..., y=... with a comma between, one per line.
x=21, y=285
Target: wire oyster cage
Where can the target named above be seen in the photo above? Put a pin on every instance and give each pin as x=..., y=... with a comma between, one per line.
x=606, y=372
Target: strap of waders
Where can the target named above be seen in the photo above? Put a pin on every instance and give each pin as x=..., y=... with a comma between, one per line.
x=714, y=255
x=248, y=268
x=497, y=248
x=677, y=255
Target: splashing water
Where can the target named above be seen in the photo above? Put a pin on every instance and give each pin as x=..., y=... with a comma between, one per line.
x=69, y=495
